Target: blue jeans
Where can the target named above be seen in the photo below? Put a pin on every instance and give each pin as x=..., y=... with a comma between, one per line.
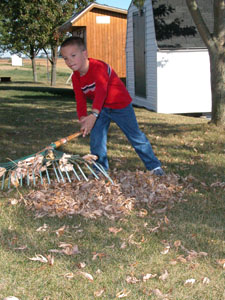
x=125, y=118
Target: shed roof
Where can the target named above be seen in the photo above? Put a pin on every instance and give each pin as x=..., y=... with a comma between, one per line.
x=77, y=15
x=181, y=11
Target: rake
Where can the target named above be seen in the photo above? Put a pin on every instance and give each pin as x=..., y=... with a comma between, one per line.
x=41, y=166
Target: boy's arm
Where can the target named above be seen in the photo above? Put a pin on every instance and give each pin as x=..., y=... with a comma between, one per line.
x=87, y=123
x=101, y=75
x=81, y=104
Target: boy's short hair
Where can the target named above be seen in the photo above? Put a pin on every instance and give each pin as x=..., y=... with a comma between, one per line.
x=74, y=40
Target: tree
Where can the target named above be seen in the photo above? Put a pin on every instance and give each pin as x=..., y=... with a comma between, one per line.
x=215, y=43
x=166, y=30
x=59, y=12
x=23, y=22
x=31, y=25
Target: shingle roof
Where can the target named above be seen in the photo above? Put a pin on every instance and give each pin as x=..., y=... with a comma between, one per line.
x=181, y=11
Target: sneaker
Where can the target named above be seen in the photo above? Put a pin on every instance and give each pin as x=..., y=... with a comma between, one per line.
x=158, y=171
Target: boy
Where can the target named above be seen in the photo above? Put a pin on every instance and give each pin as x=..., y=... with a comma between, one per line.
x=111, y=102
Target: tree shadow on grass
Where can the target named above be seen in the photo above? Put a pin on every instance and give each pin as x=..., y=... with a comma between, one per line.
x=47, y=89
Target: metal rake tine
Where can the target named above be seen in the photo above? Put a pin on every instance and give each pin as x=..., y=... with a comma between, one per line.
x=81, y=171
x=63, y=180
x=3, y=181
x=56, y=174
x=21, y=179
x=102, y=170
x=41, y=177
x=28, y=179
x=75, y=173
x=92, y=171
x=49, y=181
x=9, y=182
x=68, y=176
x=34, y=181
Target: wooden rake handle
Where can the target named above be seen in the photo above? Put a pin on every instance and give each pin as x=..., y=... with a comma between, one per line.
x=66, y=139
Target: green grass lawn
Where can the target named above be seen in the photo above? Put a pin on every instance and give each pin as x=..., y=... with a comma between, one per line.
x=192, y=230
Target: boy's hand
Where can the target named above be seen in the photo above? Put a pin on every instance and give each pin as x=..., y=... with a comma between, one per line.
x=87, y=123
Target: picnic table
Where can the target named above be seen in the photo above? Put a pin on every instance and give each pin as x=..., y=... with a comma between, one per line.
x=5, y=79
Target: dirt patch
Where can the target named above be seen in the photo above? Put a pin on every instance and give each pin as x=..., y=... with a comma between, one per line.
x=9, y=67
x=39, y=62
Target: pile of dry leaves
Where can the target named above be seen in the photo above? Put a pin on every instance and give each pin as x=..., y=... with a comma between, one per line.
x=97, y=198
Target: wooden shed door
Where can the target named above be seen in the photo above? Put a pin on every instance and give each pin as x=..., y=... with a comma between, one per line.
x=80, y=32
x=139, y=54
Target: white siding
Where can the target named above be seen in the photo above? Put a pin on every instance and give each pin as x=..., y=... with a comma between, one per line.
x=130, y=52
x=183, y=82
x=151, y=66
x=176, y=81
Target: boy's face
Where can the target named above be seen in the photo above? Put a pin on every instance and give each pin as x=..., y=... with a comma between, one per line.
x=75, y=58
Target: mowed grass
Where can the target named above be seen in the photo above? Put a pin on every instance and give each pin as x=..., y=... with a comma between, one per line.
x=34, y=115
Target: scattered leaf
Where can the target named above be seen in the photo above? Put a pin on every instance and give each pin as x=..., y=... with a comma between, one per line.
x=123, y=245
x=122, y=294
x=98, y=255
x=87, y=275
x=69, y=249
x=90, y=157
x=159, y=294
x=99, y=293
x=221, y=262
x=205, y=280
x=189, y=281
x=42, y=228
x=166, y=220
x=164, y=276
x=182, y=259
x=148, y=276
x=13, y=201
x=2, y=171
x=132, y=279
x=143, y=213
x=177, y=243
x=24, y=247
x=81, y=265
x=115, y=230
x=60, y=231
x=69, y=275
x=50, y=260
x=165, y=250
x=39, y=257
x=173, y=262
x=11, y=298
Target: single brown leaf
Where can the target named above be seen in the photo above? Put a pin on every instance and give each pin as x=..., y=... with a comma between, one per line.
x=86, y=275
x=99, y=293
x=122, y=294
x=164, y=276
x=115, y=230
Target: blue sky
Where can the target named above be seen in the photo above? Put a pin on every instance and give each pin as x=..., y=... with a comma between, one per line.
x=116, y=3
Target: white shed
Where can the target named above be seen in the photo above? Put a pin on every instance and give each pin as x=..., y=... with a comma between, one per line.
x=16, y=61
x=167, y=76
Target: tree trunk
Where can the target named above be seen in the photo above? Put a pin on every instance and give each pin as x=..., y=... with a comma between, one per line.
x=33, y=61
x=215, y=43
x=34, y=69
x=54, y=62
x=217, y=67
